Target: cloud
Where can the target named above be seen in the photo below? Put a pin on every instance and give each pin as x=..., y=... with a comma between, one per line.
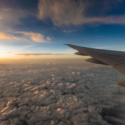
x=68, y=31
x=11, y=16
x=41, y=94
x=5, y=52
x=36, y=37
x=61, y=12
x=48, y=38
x=70, y=12
x=7, y=36
x=35, y=54
x=40, y=54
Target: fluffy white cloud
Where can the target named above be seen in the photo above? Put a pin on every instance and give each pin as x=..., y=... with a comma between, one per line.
x=70, y=12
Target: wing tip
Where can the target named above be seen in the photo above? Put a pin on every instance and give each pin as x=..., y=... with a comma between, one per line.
x=68, y=44
x=72, y=46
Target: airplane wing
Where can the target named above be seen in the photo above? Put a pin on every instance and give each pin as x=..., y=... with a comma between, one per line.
x=116, y=59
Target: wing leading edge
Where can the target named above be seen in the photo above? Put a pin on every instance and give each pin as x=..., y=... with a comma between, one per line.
x=116, y=59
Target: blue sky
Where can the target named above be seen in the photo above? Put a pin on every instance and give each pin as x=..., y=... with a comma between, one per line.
x=44, y=26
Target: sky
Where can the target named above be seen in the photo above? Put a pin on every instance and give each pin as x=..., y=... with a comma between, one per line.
x=40, y=28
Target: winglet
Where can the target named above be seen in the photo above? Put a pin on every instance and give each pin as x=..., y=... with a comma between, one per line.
x=70, y=45
x=74, y=47
x=122, y=83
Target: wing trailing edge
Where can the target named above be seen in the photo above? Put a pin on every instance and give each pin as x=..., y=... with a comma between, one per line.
x=92, y=60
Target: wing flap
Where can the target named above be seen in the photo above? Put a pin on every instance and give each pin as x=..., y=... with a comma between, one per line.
x=92, y=60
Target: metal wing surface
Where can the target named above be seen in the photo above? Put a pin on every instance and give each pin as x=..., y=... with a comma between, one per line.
x=116, y=59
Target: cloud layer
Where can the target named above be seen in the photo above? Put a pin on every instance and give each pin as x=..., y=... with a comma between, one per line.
x=70, y=12
x=33, y=94
x=36, y=54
